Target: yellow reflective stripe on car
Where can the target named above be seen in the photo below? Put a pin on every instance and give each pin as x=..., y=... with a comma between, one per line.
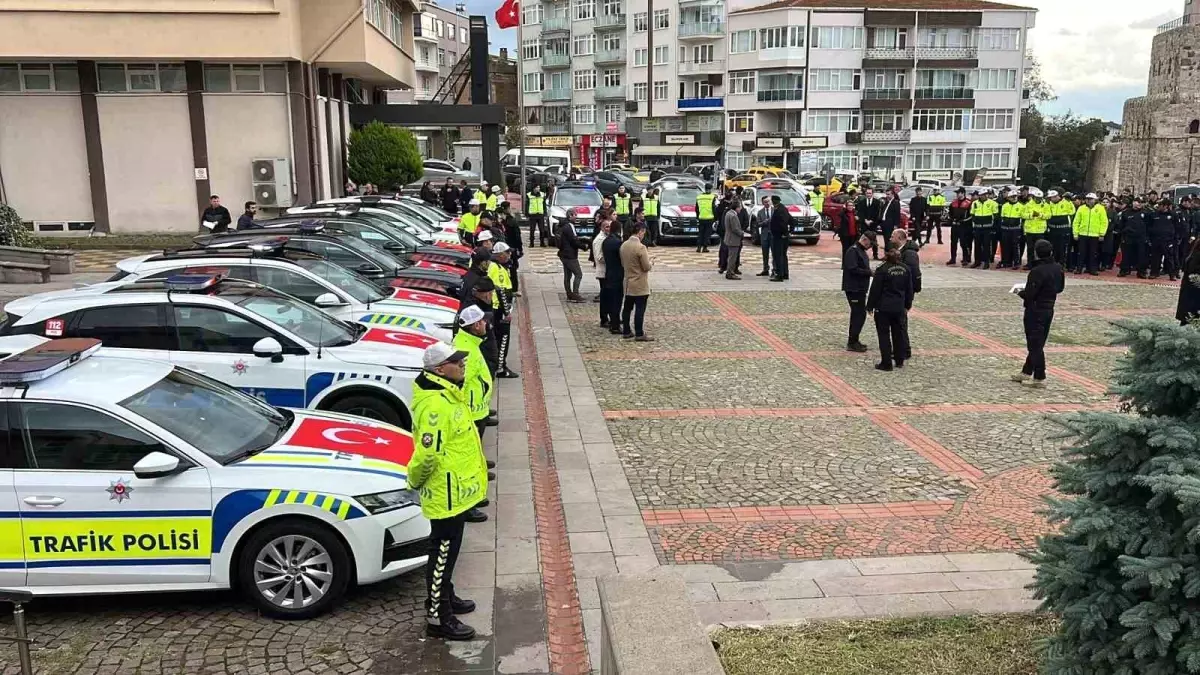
x=10, y=539
x=336, y=506
x=117, y=538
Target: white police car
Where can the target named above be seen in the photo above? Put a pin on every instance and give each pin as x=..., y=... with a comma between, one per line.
x=340, y=292
x=248, y=336
x=584, y=198
x=133, y=475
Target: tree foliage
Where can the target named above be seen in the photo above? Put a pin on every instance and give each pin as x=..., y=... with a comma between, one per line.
x=385, y=156
x=1039, y=90
x=1057, y=149
x=12, y=231
x=1124, y=571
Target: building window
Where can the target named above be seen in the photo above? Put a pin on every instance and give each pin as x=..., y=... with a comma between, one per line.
x=741, y=122
x=662, y=19
x=150, y=77
x=1194, y=127
x=993, y=119
x=38, y=77
x=944, y=38
x=887, y=79
x=612, y=77
x=842, y=160
x=534, y=83
x=585, y=80
x=883, y=120
x=584, y=45
x=462, y=35
x=385, y=15
x=833, y=120
x=988, y=158
x=531, y=49
x=741, y=82
x=942, y=119
x=837, y=37
x=998, y=39
x=889, y=38
x=920, y=159
x=585, y=114
x=613, y=113
x=736, y=160
x=781, y=37
x=441, y=56
x=836, y=79
x=639, y=91
x=947, y=158
x=996, y=79
x=639, y=22
x=781, y=86
x=699, y=90
x=662, y=55
x=743, y=41
x=611, y=43
x=559, y=80
x=582, y=10
x=240, y=78
x=661, y=91
x=700, y=54
x=639, y=56
x=531, y=14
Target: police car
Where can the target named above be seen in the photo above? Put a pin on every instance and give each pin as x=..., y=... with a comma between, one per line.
x=338, y=291
x=267, y=344
x=806, y=222
x=132, y=475
x=677, y=218
x=390, y=213
x=584, y=198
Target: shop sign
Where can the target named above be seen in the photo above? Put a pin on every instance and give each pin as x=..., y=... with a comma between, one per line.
x=798, y=142
x=762, y=142
x=679, y=139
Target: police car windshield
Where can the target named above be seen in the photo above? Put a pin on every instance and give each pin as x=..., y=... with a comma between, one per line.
x=402, y=216
x=355, y=286
x=217, y=420
x=679, y=196
x=309, y=323
x=437, y=215
x=567, y=197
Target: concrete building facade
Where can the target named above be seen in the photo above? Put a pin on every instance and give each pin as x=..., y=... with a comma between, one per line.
x=124, y=116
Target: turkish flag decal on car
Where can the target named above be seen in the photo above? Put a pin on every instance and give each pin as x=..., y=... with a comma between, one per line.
x=398, y=337
x=425, y=298
x=687, y=208
x=359, y=438
x=429, y=265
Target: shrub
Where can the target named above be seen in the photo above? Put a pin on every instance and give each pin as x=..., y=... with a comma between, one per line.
x=385, y=156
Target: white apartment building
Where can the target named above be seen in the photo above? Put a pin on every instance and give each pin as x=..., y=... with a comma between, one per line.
x=909, y=88
x=439, y=41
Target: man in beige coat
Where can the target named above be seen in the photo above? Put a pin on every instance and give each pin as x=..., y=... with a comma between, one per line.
x=636, y=261
x=733, y=240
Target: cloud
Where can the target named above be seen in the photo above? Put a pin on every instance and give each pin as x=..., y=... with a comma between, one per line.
x=1154, y=21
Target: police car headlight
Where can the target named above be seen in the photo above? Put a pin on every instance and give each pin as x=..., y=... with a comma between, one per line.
x=381, y=502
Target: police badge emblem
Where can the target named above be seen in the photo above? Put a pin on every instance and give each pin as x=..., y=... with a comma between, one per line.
x=427, y=440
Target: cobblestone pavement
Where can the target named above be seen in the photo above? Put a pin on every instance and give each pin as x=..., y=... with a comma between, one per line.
x=681, y=257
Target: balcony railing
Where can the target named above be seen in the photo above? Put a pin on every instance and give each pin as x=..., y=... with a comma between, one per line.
x=709, y=103
x=780, y=94
x=1185, y=20
x=426, y=64
x=889, y=53
x=556, y=60
x=886, y=94
x=610, y=21
x=945, y=92
x=556, y=24
x=782, y=54
x=701, y=29
x=947, y=52
x=423, y=94
x=557, y=94
x=701, y=67
x=886, y=136
x=609, y=56
x=610, y=93
x=422, y=34
x=557, y=127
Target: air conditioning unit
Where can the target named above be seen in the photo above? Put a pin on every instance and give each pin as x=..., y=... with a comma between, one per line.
x=272, y=181
x=631, y=106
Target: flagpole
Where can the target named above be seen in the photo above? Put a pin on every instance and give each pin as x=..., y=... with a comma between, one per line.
x=520, y=50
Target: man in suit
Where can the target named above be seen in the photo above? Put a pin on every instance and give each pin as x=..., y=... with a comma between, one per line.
x=781, y=223
x=889, y=217
x=764, y=235
x=732, y=240
x=866, y=214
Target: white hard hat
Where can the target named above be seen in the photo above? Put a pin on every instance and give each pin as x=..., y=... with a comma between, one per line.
x=500, y=247
x=1091, y=195
x=1052, y=193
x=439, y=352
x=470, y=315
x=496, y=189
x=486, y=235
x=474, y=202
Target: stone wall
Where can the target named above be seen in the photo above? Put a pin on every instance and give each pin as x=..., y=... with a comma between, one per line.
x=1104, y=169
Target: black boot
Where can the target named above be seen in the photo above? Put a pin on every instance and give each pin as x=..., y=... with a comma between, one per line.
x=460, y=606
x=856, y=347
x=450, y=629
x=475, y=516
x=885, y=366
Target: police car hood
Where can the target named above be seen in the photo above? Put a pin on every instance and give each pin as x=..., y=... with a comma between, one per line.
x=430, y=314
x=796, y=210
x=679, y=211
x=391, y=346
x=581, y=212
x=328, y=453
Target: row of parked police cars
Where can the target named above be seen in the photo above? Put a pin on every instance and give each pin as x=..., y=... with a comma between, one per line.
x=232, y=415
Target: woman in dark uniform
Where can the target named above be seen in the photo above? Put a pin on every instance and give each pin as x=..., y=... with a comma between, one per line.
x=890, y=298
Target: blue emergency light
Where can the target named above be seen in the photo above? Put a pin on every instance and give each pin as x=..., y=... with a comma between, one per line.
x=187, y=283
x=311, y=226
x=46, y=359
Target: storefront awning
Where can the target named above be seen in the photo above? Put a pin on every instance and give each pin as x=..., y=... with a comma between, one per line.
x=698, y=151
x=656, y=150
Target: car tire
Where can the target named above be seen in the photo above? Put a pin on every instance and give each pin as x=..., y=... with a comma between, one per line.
x=326, y=561
x=370, y=407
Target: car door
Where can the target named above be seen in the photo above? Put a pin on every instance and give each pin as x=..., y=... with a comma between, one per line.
x=219, y=343
x=12, y=551
x=87, y=519
x=132, y=331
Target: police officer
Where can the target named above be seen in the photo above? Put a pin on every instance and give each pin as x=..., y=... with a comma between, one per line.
x=706, y=213
x=1037, y=214
x=1089, y=228
x=622, y=206
x=937, y=211
x=481, y=193
x=890, y=298
x=502, y=305
x=537, y=216
x=1161, y=225
x=981, y=231
x=650, y=205
x=856, y=281
x=468, y=223
x=447, y=467
x=960, y=227
x=1012, y=216
x=1134, y=240
x=1183, y=228
x=1045, y=281
x=493, y=199
x=1062, y=212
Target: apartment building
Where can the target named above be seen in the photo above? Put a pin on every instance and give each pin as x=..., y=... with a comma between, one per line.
x=439, y=40
x=125, y=115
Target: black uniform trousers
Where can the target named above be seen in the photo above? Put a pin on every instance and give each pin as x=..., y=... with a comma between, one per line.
x=537, y=225
x=984, y=250
x=858, y=315
x=652, y=230
x=1031, y=240
x=1162, y=254
x=893, y=335
x=1060, y=239
x=1133, y=255
x=1010, y=254
x=445, y=540
x=960, y=235
x=704, y=236
x=779, y=255
x=502, y=328
x=634, y=305
x=764, y=237
x=610, y=305
x=1037, y=331
x=514, y=263
x=1089, y=253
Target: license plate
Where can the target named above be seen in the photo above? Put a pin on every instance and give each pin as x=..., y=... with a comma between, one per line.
x=691, y=230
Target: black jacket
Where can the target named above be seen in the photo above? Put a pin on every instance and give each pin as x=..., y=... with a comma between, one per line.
x=864, y=210
x=891, y=289
x=219, y=215
x=489, y=348
x=781, y=222
x=569, y=243
x=246, y=222
x=1160, y=224
x=450, y=196
x=917, y=207
x=910, y=256
x=856, y=270
x=614, y=271
x=1189, y=294
x=1042, y=286
x=468, y=284
x=889, y=214
x=1133, y=224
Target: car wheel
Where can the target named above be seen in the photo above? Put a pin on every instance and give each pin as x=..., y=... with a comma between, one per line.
x=370, y=407
x=294, y=569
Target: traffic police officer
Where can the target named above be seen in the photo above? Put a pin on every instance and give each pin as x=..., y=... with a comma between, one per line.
x=1062, y=212
x=468, y=223
x=447, y=467
x=1011, y=216
x=1090, y=226
x=502, y=304
x=621, y=206
x=650, y=209
x=705, y=205
x=937, y=207
x=1037, y=213
x=537, y=216
x=981, y=229
x=481, y=193
x=493, y=199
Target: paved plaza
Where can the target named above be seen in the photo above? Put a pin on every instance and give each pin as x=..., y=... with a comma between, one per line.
x=782, y=477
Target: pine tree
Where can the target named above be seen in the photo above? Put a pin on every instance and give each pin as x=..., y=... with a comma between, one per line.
x=1123, y=572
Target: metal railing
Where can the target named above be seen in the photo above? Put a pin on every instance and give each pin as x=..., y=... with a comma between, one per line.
x=714, y=66
x=1185, y=20
x=557, y=127
x=886, y=135
x=701, y=28
x=610, y=93
x=610, y=21
x=707, y=102
x=427, y=64
x=557, y=94
x=609, y=56
x=780, y=94
x=886, y=94
x=947, y=52
x=889, y=53
x=945, y=92
x=556, y=60
x=556, y=24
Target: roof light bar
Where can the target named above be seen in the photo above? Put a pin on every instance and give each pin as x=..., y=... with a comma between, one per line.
x=46, y=359
x=192, y=282
x=311, y=226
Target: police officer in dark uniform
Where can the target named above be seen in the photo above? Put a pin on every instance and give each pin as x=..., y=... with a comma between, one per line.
x=856, y=281
x=1161, y=225
x=1133, y=240
x=890, y=298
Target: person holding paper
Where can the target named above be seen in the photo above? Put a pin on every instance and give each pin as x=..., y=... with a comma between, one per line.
x=1045, y=281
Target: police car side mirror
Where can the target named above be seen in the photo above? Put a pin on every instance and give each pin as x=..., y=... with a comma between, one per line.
x=328, y=300
x=269, y=348
x=368, y=268
x=156, y=465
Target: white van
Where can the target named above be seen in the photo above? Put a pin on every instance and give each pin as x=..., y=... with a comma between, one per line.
x=538, y=158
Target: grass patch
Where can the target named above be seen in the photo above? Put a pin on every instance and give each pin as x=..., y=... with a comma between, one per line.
x=126, y=242
x=965, y=645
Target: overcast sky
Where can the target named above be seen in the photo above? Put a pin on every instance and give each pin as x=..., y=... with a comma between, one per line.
x=1095, y=53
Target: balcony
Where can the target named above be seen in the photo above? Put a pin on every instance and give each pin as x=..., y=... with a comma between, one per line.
x=782, y=54
x=953, y=93
x=610, y=21
x=886, y=94
x=701, y=29
x=423, y=93
x=557, y=94
x=949, y=53
x=556, y=24
x=609, y=56
x=700, y=67
x=557, y=127
x=422, y=34
x=428, y=65
x=616, y=93
x=765, y=95
x=886, y=136
x=556, y=60
x=697, y=104
x=889, y=54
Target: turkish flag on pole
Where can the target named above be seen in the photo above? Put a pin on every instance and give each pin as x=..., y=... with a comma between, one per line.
x=508, y=16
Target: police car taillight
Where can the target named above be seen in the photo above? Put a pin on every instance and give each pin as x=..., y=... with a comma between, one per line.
x=189, y=283
x=46, y=359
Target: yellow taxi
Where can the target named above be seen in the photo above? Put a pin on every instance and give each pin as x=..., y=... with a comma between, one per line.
x=741, y=180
